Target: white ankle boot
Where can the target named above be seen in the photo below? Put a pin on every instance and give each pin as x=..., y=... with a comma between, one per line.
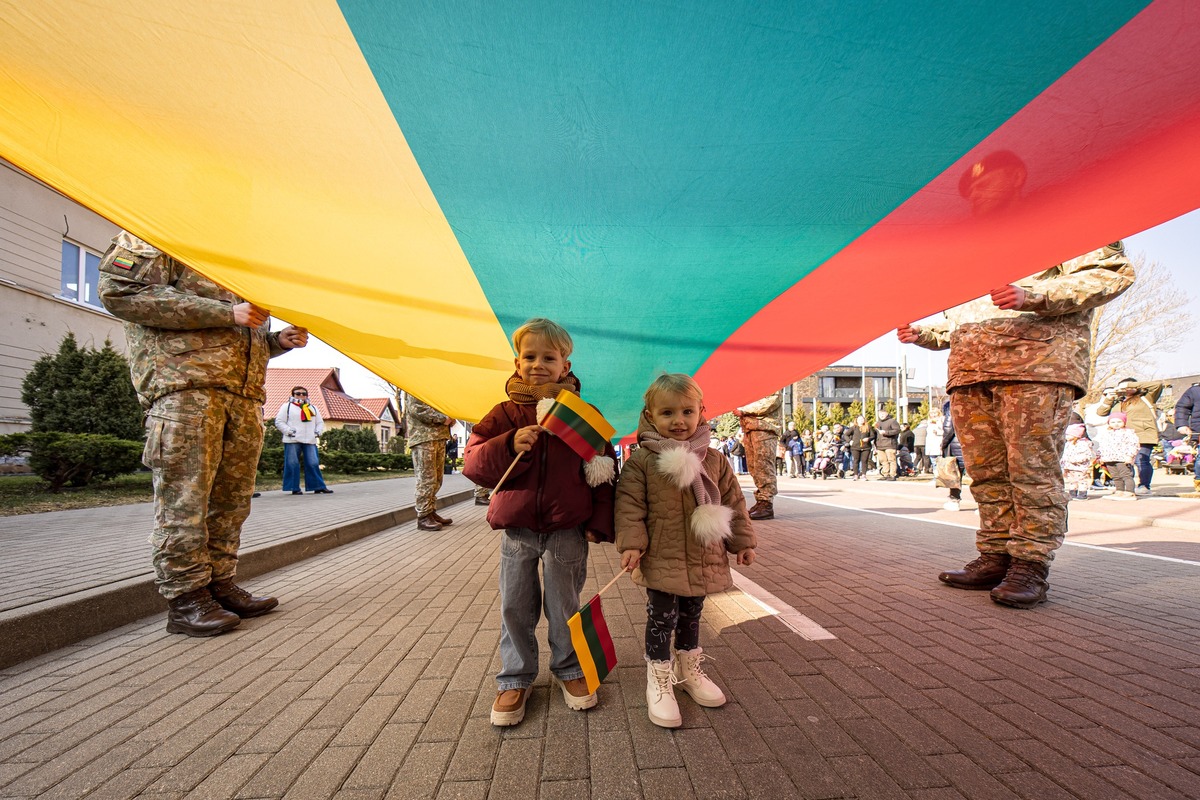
x=660, y=694
x=690, y=677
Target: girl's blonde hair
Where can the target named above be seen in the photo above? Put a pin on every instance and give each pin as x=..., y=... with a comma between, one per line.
x=549, y=330
x=675, y=383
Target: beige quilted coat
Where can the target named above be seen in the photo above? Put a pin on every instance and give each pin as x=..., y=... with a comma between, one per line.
x=653, y=515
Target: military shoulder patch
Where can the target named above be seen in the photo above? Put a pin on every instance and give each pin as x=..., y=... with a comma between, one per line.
x=124, y=262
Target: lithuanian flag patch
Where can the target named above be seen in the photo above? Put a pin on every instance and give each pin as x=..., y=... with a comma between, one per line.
x=124, y=262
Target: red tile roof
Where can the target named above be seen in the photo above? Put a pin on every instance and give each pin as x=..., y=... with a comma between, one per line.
x=377, y=405
x=324, y=392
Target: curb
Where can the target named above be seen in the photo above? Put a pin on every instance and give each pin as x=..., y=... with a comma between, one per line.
x=40, y=628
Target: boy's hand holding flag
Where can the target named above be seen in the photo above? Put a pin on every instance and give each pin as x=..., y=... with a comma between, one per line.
x=582, y=428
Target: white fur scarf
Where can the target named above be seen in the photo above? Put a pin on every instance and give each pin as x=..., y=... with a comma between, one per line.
x=683, y=462
x=600, y=469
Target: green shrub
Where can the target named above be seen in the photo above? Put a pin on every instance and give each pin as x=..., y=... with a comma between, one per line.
x=270, y=460
x=271, y=435
x=83, y=390
x=362, y=440
x=74, y=459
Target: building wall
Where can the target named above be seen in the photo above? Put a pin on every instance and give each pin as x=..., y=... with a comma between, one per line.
x=34, y=220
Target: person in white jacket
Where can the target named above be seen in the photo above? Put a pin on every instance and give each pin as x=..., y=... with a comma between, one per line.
x=301, y=424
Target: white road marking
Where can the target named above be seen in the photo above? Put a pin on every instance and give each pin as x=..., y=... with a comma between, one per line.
x=768, y=602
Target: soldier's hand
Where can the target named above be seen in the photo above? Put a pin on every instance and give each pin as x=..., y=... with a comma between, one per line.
x=524, y=438
x=292, y=337
x=1009, y=298
x=249, y=315
x=908, y=334
x=450, y=422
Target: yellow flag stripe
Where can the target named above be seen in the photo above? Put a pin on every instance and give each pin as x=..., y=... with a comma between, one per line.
x=584, y=652
x=252, y=141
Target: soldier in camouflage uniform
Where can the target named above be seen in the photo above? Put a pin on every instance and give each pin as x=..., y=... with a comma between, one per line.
x=760, y=430
x=1018, y=360
x=198, y=357
x=428, y=430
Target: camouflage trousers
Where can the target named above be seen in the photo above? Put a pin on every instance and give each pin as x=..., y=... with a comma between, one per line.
x=1012, y=437
x=429, y=461
x=760, y=461
x=202, y=447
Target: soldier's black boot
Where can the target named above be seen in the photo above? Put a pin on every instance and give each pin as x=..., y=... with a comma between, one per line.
x=763, y=509
x=441, y=520
x=232, y=597
x=985, y=572
x=1025, y=585
x=197, y=614
x=428, y=523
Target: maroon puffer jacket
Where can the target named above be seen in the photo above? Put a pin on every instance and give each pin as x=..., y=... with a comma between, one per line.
x=546, y=490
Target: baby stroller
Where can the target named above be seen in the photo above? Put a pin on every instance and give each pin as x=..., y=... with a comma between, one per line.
x=826, y=464
x=1181, y=457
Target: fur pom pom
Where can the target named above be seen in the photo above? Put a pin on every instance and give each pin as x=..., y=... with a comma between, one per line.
x=543, y=408
x=601, y=469
x=710, y=524
x=682, y=466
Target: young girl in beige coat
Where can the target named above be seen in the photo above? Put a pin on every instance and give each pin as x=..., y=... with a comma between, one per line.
x=680, y=512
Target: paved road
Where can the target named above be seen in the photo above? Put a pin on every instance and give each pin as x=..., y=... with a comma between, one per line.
x=375, y=676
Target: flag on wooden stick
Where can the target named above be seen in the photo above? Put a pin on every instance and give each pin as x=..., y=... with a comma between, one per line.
x=583, y=428
x=592, y=642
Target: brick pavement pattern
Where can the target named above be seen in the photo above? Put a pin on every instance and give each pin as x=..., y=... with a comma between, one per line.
x=375, y=677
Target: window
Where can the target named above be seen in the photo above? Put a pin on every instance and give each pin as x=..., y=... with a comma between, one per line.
x=882, y=387
x=351, y=427
x=383, y=435
x=80, y=275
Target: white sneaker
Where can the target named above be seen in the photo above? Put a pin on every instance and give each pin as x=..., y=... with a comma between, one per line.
x=1142, y=490
x=951, y=505
x=660, y=695
x=689, y=676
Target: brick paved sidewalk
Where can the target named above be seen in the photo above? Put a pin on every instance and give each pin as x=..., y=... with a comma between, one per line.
x=69, y=574
x=375, y=676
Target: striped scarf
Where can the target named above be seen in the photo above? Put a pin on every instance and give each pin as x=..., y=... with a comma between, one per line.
x=525, y=394
x=306, y=411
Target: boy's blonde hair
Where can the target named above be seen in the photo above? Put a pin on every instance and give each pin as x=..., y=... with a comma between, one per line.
x=675, y=383
x=549, y=330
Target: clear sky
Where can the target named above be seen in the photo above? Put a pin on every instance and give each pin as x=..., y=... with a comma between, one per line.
x=1175, y=245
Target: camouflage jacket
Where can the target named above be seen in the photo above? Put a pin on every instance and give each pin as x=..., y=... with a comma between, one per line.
x=762, y=415
x=425, y=423
x=179, y=326
x=1048, y=340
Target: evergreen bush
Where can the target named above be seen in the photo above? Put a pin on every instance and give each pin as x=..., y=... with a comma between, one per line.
x=83, y=390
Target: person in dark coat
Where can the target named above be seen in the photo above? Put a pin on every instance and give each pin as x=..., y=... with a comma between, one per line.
x=1187, y=421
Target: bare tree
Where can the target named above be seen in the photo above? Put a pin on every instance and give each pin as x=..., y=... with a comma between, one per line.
x=1147, y=319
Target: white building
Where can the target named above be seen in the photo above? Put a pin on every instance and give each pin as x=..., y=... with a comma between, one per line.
x=50, y=250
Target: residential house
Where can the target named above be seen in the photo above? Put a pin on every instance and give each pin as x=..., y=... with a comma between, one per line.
x=337, y=409
x=50, y=250
x=388, y=426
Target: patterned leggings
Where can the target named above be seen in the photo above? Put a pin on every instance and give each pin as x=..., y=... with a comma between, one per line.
x=667, y=613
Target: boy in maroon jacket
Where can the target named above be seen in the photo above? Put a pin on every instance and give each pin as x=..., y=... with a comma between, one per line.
x=550, y=506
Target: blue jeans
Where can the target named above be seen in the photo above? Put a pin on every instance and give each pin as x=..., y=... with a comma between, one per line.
x=563, y=555
x=291, y=467
x=1145, y=468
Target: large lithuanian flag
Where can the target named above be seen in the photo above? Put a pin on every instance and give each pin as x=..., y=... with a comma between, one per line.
x=695, y=187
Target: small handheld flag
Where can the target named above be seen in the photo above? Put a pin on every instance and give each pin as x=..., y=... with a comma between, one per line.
x=593, y=644
x=583, y=428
